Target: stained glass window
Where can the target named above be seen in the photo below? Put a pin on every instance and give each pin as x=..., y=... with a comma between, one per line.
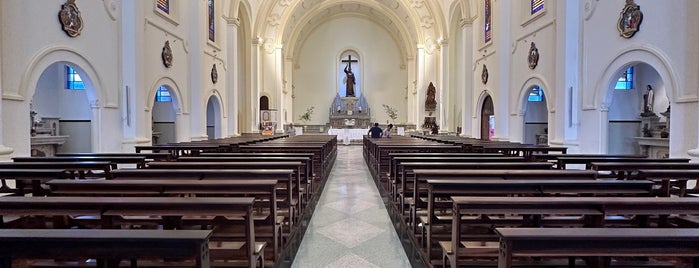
x=163, y=95
x=73, y=79
x=488, y=22
x=212, y=30
x=537, y=5
x=164, y=5
x=625, y=81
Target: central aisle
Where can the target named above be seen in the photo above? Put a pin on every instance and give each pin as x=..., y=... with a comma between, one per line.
x=350, y=226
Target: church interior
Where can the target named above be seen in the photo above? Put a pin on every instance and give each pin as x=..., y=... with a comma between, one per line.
x=268, y=105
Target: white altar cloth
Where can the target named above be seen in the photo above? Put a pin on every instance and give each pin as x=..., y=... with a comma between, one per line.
x=347, y=134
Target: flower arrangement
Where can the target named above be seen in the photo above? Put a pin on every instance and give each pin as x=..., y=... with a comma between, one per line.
x=305, y=117
x=390, y=112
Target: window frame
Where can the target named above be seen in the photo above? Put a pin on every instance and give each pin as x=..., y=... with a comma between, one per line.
x=626, y=79
x=163, y=95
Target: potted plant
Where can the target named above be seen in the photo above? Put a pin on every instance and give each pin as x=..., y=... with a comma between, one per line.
x=306, y=116
x=390, y=112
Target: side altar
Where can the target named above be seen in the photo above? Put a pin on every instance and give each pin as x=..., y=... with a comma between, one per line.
x=350, y=112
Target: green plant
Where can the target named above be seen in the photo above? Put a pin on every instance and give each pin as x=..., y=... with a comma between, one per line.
x=390, y=112
x=305, y=117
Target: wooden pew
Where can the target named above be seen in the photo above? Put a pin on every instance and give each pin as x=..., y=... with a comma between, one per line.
x=443, y=189
x=76, y=169
x=410, y=167
x=666, y=176
x=148, y=156
x=627, y=170
x=138, y=161
x=294, y=189
x=174, y=211
x=260, y=189
x=532, y=209
x=176, y=150
x=562, y=161
x=594, y=242
x=306, y=171
x=35, y=176
x=107, y=246
x=285, y=177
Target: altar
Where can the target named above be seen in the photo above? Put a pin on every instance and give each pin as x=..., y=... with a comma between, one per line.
x=348, y=134
x=350, y=112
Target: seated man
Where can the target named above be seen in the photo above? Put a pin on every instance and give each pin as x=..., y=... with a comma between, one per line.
x=375, y=131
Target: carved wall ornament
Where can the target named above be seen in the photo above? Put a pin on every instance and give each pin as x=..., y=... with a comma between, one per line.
x=70, y=18
x=214, y=74
x=484, y=74
x=167, y=54
x=533, y=57
x=630, y=19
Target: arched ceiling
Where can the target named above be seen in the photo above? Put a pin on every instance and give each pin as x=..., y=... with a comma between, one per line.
x=411, y=23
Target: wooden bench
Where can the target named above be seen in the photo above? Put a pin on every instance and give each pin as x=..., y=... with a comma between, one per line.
x=138, y=161
x=306, y=171
x=531, y=210
x=264, y=192
x=443, y=189
x=76, y=169
x=627, y=170
x=666, y=176
x=106, y=246
x=148, y=156
x=285, y=177
x=294, y=189
x=562, y=161
x=171, y=212
x=35, y=176
x=596, y=242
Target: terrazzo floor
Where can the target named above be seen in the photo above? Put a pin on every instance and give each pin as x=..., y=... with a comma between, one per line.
x=350, y=226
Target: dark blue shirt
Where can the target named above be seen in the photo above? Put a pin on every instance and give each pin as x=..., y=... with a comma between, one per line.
x=375, y=132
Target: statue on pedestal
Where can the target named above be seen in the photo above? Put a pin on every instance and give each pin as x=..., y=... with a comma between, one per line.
x=648, y=100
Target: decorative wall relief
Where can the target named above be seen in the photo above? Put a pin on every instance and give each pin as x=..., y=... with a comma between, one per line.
x=167, y=55
x=214, y=74
x=484, y=74
x=70, y=18
x=630, y=19
x=533, y=57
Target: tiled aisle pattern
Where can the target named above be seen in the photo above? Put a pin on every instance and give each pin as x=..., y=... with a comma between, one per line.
x=350, y=226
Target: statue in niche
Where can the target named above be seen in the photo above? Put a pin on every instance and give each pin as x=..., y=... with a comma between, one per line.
x=431, y=101
x=350, y=79
x=648, y=100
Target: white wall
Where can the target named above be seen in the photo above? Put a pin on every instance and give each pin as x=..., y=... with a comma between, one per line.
x=382, y=79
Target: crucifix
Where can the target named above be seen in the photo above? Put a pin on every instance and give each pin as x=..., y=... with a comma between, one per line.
x=350, y=79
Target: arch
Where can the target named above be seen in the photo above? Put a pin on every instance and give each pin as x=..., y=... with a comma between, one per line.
x=487, y=108
x=51, y=55
x=171, y=85
x=213, y=113
x=631, y=56
x=264, y=102
x=360, y=76
x=533, y=80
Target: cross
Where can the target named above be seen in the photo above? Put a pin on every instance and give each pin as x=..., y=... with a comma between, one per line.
x=349, y=61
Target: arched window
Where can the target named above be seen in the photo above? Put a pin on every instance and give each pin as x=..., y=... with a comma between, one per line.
x=164, y=6
x=212, y=21
x=537, y=5
x=73, y=79
x=487, y=23
x=163, y=95
x=625, y=81
x=264, y=103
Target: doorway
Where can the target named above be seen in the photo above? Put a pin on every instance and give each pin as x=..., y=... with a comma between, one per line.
x=487, y=119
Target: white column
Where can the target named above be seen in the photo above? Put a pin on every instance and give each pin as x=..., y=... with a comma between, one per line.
x=412, y=102
x=137, y=122
x=421, y=86
x=5, y=152
x=232, y=77
x=444, y=85
x=278, y=68
x=467, y=104
x=96, y=126
x=256, y=79
x=197, y=111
